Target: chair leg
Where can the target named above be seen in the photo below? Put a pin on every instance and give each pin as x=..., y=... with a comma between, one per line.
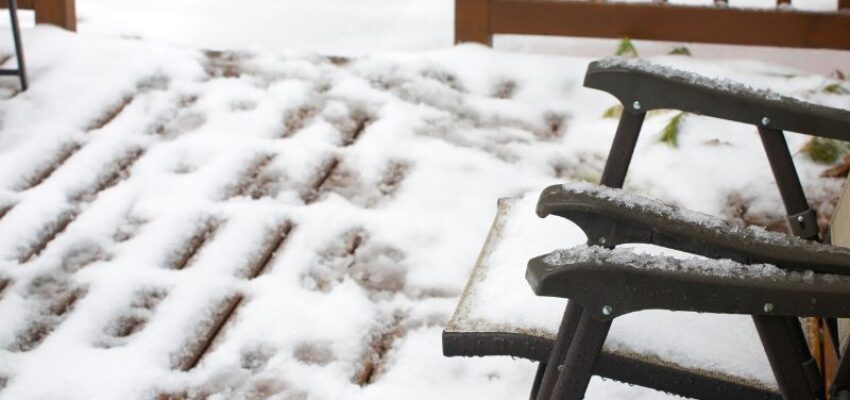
x=572, y=316
x=795, y=370
x=581, y=358
x=538, y=379
x=840, y=380
x=19, y=48
x=622, y=149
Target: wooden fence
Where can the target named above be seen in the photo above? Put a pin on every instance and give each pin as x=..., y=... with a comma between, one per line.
x=62, y=13
x=478, y=20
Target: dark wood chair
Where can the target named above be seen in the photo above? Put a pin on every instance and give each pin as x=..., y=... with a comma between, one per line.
x=772, y=277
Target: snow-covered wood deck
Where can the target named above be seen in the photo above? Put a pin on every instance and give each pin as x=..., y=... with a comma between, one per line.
x=187, y=224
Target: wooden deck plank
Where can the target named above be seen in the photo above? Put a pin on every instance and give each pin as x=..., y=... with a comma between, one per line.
x=202, y=339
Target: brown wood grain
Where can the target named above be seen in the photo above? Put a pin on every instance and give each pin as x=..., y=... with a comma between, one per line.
x=202, y=340
x=22, y=4
x=472, y=21
x=62, y=13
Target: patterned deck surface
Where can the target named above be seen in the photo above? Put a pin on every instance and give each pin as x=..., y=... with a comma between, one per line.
x=180, y=224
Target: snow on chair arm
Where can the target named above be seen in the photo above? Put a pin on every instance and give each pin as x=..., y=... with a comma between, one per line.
x=610, y=283
x=642, y=86
x=610, y=217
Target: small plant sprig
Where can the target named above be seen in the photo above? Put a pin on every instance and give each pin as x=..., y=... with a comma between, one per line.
x=825, y=151
x=626, y=48
x=670, y=133
x=836, y=88
x=680, y=51
x=613, y=112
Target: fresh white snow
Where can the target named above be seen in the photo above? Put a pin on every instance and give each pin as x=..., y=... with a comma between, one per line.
x=425, y=139
x=720, y=345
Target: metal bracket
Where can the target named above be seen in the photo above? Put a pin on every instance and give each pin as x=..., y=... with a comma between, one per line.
x=804, y=224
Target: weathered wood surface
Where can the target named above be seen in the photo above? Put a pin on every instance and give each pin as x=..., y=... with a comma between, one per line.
x=62, y=13
x=478, y=20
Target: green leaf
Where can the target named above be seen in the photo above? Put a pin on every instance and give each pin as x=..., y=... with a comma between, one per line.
x=626, y=48
x=680, y=51
x=670, y=133
x=825, y=151
x=835, y=88
x=613, y=112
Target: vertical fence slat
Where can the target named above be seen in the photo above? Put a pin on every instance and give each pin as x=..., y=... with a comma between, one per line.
x=57, y=12
x=472, y=21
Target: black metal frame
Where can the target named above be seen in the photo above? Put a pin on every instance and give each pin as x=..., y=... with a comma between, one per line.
x=576, y=353
x=21, y=71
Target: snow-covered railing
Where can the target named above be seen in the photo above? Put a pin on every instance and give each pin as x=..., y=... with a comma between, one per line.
x=62, y=13
x=784, y=25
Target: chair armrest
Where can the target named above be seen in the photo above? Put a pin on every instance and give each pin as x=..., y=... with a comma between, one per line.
x=658, y=87
x=610, y=283
x=615, y=217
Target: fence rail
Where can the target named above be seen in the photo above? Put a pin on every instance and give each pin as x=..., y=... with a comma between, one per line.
x=478, y=20
x=62, y=13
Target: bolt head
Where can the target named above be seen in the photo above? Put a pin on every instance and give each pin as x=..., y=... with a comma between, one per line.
x=800, y=218
x=607, y=310
x=603, y=240
x=765, y=121
x=768, y=307
x=636, y=105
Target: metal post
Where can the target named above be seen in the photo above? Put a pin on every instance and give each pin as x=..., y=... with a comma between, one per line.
x=796, y=373
x=538, y=380
x=569, y=324
x=581, y=358
x=795, y=369
x=622, y=149
x=19, y=48
x=614, y=175
x=789, y=184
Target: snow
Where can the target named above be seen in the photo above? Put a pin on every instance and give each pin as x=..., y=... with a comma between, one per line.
x=235, y=145
x=724, y=268
x=715, y=344
x=724, y=85
x=709, y=224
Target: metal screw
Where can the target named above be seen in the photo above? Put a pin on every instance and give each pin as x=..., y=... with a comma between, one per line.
x=765, y=121
x=768, y=307
x=602, y=240
x=607, y=310
x=636, y=105
x=800, y=219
